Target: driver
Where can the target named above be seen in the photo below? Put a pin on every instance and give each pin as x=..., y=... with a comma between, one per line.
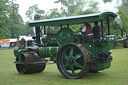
x=86, y=29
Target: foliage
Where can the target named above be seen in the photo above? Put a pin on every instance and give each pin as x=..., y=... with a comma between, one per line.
x=11, y=22
x=28, y=30
x=4, y=19
x=115, y=28
x=107, y=1
x=33, y=10
x=16, y=24
x=124, y=17
x=69, y=6
x=125, y=5
x=90, y=6
x=53, y=14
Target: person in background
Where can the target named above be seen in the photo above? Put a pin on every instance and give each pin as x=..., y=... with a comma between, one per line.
x=18, y=43
x=96, y=31
x=0, y=45
x=23, y=42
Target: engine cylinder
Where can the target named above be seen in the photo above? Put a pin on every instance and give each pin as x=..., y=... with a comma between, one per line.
x=48, y=51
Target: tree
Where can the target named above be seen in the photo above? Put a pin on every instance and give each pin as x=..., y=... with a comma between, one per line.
x=107, y=1
x=125, y=5
x=69, y=6
x=124, y=17
x=33, y=10
x=54, y=13
x=4, y=19
x=16, y=26
x=28, y=30
x=77, y=7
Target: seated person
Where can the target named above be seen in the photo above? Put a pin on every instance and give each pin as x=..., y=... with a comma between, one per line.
x=83, y=29
x=87, y=31
x=96, y=31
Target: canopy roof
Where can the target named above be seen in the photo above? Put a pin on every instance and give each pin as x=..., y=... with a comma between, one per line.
x=74, y=19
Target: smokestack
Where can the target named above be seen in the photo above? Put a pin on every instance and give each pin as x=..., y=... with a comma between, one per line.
x=37, y=29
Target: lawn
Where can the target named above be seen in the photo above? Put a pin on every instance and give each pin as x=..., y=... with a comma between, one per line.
x=117, y=74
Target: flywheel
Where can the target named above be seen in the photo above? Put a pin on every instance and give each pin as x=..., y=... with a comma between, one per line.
x=64, y=36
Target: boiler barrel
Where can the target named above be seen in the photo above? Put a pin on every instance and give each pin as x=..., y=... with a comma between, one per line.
x=48, y=51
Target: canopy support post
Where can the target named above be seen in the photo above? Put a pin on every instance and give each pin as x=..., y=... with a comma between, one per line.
x=102, y=28
x=108, y=25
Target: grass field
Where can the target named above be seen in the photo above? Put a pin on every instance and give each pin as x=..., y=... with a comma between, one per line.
x=117, y=74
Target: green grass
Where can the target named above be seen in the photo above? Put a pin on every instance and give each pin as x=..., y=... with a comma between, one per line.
x=117, y=74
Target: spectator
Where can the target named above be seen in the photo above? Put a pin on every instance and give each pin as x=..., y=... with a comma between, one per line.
x=96, y=31
x=23, y=42
x=18, y=43
x=0, y=45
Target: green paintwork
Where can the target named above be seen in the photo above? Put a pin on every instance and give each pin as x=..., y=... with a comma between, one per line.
x=73, y=59
x=44, y=39
x=108, y=37
x=49, y=38
x=70, y=67
x=74, y=19
x=118, y=38
x=48, y=51
x=20, y=51
x=64, y=36
x=94, y=48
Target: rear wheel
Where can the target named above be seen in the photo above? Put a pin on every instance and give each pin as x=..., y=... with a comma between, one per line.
x=92, y=71
x=125, y=44
x=72, y=60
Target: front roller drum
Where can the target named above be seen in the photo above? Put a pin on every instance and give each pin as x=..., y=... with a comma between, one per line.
x=72, y=60
x=30, y=63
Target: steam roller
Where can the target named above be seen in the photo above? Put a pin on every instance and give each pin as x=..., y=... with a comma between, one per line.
x=74, y=53
x=29, y=62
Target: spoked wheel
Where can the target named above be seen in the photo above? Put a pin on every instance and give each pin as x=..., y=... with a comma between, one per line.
x=30, y=63
x=72, y=60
